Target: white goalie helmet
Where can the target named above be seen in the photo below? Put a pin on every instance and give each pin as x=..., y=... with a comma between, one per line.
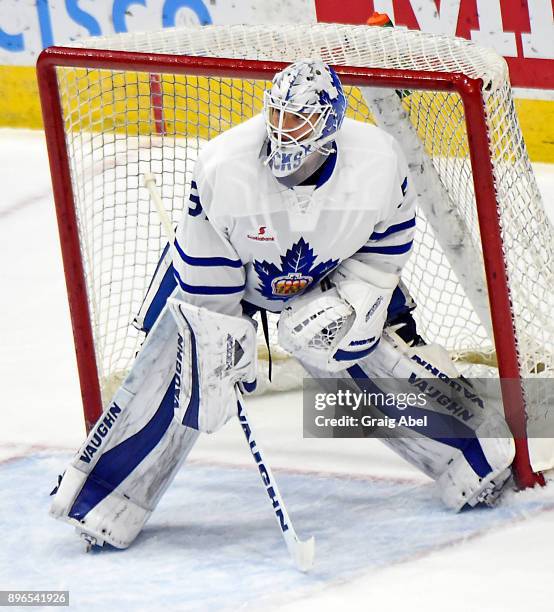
x=303, y=111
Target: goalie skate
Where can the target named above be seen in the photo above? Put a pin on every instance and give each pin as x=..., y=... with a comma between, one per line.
x=91, y=542
x=492, y=490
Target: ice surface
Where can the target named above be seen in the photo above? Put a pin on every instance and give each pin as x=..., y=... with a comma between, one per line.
x=383, y=541
x=212, y=543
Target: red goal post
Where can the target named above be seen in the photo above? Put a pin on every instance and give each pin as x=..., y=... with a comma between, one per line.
x=470, y=92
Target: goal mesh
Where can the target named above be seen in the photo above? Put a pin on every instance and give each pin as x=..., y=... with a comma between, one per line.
x=120, y=124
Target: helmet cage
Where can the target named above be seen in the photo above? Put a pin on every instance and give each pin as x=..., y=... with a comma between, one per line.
x=312, y=123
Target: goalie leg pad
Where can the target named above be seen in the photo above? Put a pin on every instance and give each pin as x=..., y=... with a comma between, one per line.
x=132, y=454
x=182, y=382
x=467, y=469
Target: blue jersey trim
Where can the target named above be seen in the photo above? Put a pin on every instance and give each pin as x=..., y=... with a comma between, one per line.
x=207, y=261
x=393, y=229
x=396, y=249
x=208, y=290
x=197, y=210
x=195, y=199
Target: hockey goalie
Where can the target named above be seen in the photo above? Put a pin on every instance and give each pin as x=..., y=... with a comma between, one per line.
x=298, y=211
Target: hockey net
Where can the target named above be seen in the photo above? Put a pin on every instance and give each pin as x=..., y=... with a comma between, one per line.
x=125, y=113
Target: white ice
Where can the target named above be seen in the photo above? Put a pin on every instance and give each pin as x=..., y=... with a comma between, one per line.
x=383, y=540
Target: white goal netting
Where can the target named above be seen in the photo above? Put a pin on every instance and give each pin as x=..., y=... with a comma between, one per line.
x=120, y=124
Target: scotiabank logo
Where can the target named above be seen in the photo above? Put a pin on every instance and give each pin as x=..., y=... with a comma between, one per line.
x=262, y=235
x=521, y=31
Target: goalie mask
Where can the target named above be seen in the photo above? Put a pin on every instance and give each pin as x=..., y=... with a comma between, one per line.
x=303, y=111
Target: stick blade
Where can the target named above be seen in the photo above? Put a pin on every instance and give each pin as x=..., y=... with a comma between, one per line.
x=304, y=553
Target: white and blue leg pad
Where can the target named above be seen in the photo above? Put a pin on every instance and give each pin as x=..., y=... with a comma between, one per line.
x=469, y=468
x=132, y=454
x=119, y=474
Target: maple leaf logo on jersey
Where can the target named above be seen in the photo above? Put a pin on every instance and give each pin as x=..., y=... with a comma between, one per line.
x=295, y=274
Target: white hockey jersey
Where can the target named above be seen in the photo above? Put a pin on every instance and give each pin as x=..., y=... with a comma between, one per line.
x=247, y=237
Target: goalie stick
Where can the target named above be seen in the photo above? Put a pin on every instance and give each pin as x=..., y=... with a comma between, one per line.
x=150, y=184
x=301, y=551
